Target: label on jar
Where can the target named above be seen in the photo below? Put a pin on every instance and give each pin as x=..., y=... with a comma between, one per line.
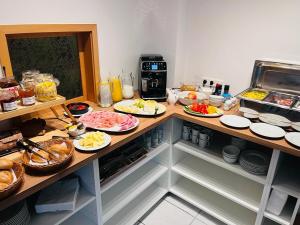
x=10, y=106
x=28, y=100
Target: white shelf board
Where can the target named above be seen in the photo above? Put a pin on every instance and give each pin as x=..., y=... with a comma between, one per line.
x=78, y=219
x=153, y=153
x=236, y=188
x=213, y=204
x=214, y=156
x=287, y=180
x=120, y=195
x=286, y=215
x=130, y=214
x=54, y=218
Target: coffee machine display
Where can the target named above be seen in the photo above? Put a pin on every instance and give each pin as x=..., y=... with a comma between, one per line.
x=153, y=77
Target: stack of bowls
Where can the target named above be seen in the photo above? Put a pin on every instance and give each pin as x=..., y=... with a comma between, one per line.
x=230, y=153
x=255, y=162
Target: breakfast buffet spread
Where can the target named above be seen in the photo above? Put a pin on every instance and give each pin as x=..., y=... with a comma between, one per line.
x=97, y=131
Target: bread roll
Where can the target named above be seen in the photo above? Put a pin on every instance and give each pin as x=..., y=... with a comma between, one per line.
x=60, y=148
x=6, y=177
x=6, y=164
x=3, y=186
x=37, y=159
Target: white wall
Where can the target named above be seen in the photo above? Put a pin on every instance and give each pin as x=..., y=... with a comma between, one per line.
x=223, y=38
x=126, y=28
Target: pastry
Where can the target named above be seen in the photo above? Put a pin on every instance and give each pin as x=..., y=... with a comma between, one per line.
x=60, y=148
x=3, y=186
x=37, y=159
x=6, y=177
x=5, y=164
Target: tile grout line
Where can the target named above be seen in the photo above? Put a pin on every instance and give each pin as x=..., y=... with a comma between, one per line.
x=183, y=209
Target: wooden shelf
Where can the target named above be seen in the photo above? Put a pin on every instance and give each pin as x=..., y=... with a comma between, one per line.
x=234, y=187
x=213, y=204
x=54, y=218
x=120, y=195
x=138, y=207
x=153, y=153
x=214, y=156
x=22, y=110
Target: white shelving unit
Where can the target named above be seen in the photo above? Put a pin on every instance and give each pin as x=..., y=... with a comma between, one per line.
x=234, y=187
x=286, y=215
x=152, y=154
x=84, y=198
x=215, y=158
x=117, y=197
x=86, y=216
x=138, y=207
x=212, y=203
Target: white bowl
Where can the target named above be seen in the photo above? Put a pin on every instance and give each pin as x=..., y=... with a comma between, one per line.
x=216, y=100
x=76, y=132
x=231, y=151
x=229, y=160
x=186, y=101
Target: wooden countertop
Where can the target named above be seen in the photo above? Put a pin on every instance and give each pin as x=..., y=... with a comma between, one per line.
x=33, y=184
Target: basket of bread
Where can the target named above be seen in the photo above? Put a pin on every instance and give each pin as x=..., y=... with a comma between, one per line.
x=11, y=176
x=48, y=156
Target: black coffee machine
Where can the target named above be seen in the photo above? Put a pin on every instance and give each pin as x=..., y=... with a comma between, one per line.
x=153, y=77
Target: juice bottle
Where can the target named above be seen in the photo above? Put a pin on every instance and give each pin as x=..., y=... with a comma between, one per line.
x=116, y=89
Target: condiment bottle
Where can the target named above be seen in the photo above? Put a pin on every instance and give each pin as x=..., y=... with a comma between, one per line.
x=127, y=86
x=26, y=94
x=116, y=89
x=8, y=100
x=105, y=94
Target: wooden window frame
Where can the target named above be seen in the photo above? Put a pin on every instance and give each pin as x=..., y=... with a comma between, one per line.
x=87, y=46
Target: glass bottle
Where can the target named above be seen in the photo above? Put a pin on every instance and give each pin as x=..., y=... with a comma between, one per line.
x=105, y=99
x=127, y=86
x=116, y=89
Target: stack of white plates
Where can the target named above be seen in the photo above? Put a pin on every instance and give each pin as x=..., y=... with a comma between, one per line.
x=17, y=214
x=255, y=162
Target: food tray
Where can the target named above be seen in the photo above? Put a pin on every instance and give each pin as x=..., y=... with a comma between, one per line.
x=281, y=99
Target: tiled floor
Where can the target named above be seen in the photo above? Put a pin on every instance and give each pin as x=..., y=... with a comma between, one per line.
x=174, y=211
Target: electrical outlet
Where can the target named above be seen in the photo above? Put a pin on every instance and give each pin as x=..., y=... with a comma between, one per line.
x=210, y=81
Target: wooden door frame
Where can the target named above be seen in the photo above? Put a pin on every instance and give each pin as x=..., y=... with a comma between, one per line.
x=87, y=46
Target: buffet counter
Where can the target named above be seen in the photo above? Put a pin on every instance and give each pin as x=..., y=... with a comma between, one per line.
x=33, y=184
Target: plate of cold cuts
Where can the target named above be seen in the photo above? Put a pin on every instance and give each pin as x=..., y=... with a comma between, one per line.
x=109, y=121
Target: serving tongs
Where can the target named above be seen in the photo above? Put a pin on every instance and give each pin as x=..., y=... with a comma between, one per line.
x=29, y=145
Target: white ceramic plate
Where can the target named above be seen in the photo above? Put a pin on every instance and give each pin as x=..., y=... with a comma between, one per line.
x=267, y=130
x=142, y=112
x=107, y=140
x=296, y=126
x=189, y=111
x=274, y=119
x=293, y=138
x=79, y=115
x=235, y=121
x=249, y=113
x=117, y=128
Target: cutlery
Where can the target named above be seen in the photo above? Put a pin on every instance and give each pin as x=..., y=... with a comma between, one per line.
x=27, y=148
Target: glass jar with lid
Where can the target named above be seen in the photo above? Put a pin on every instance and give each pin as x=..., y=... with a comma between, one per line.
x=8, y=100
x=45, y=87
x=29, y=77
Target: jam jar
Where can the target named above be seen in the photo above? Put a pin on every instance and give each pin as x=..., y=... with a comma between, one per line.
x=26, y=94
x=8, y=100
x=10, y=84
